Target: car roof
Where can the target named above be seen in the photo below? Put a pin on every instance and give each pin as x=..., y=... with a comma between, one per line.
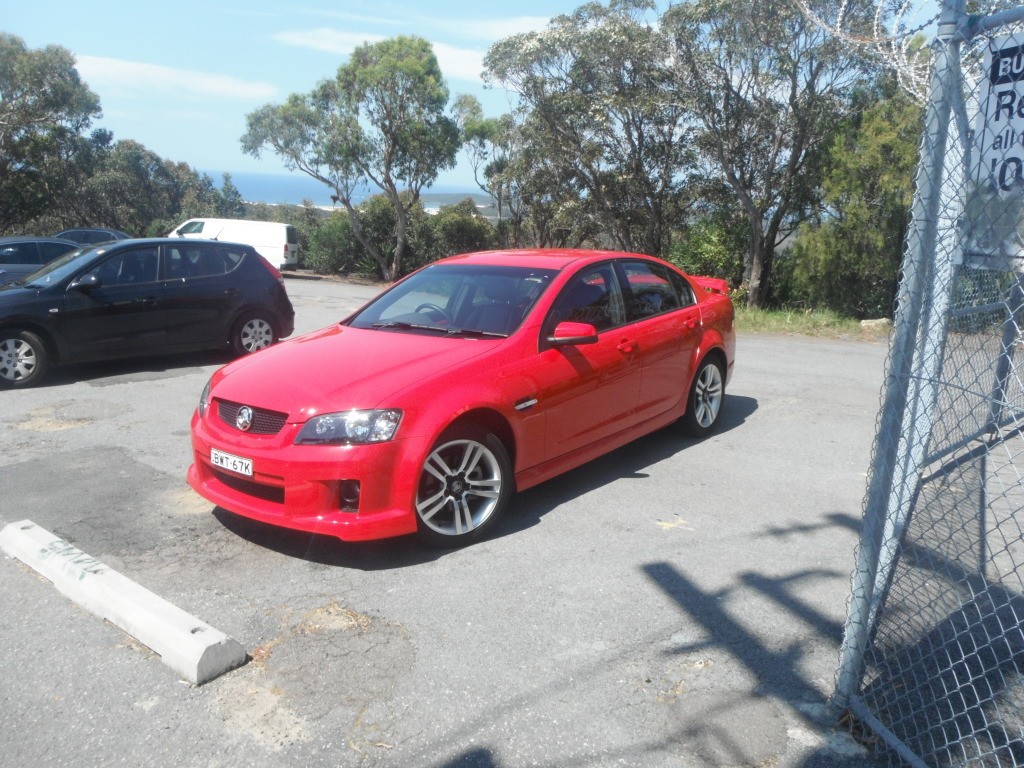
x=179, y=241
x=36, y=239
x=93, y=229
x=539, y=258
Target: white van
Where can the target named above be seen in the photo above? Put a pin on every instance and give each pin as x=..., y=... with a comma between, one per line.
x=277, y=243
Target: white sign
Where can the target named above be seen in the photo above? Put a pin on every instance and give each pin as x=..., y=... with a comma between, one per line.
x=999, y=135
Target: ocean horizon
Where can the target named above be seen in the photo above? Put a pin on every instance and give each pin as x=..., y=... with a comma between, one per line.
x=296, y=188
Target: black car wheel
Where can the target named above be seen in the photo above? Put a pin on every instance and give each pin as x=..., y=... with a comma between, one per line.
x=252, y=333
x=464, y=487
x=705, y=399
x=23, y=358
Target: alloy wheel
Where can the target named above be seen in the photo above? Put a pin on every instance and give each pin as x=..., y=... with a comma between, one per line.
x=707, y=395
x=460, y=487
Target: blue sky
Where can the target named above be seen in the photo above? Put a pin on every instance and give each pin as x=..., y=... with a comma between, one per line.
x=181, y=77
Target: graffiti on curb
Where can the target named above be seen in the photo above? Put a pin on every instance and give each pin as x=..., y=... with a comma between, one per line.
x=86, y=564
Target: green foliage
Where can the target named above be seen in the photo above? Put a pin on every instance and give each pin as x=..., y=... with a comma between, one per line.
x=459, y=228
x=333, y=249
x=44, y=107
x=712, y=246
x=849, y=262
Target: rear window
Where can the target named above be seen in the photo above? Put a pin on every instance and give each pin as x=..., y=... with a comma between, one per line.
x=293, y=236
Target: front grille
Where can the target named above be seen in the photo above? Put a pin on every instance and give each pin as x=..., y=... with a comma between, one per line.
x=264, y=422
x=250, y=488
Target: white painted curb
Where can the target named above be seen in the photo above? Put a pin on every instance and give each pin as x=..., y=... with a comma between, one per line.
x=190, y=647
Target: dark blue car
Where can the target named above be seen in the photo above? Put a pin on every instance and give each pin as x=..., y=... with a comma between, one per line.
x=21, y=255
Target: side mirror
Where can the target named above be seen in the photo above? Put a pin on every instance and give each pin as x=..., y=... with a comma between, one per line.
x=571, y=334
x=86, y=283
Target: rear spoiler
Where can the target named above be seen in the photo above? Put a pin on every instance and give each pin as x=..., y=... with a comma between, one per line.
x=713, y=285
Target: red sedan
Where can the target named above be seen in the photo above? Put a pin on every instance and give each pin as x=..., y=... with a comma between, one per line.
x=476, y=376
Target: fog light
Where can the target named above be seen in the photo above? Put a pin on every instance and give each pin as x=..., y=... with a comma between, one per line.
x=348, y=495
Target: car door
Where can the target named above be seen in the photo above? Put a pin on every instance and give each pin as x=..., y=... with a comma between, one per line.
x=122, y=312
x=202, y=295
x=665, y=320
x=588, y=391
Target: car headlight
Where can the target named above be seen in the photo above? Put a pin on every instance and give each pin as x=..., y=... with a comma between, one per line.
x=376, y=426
x=204, y=399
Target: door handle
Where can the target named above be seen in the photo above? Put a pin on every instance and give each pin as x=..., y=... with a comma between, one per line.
x=627, y=347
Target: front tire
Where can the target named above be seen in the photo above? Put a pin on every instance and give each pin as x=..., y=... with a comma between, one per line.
x=704, y=404
x=24, y=359
x=464, y=487
x=252, y=333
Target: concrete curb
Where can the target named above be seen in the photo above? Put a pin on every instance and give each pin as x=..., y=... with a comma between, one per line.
x=193, y=649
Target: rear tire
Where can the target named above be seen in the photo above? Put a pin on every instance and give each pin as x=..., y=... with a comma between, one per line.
x=24, y=359
x=704, y=404
x=252, y=333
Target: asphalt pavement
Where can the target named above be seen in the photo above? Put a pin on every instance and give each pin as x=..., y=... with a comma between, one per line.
x=675, y=603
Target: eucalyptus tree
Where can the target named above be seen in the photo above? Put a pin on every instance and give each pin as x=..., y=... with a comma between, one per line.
x=593, y=108
x=489, y=144
x=767, y=86
x=379, y=123
x=44, y=107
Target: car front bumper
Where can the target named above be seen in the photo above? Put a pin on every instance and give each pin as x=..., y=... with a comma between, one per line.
x=301, y=486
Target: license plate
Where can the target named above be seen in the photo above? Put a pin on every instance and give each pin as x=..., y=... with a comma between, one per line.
x=231, y=463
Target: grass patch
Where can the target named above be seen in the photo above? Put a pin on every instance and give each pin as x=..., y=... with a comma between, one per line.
x=822, y=323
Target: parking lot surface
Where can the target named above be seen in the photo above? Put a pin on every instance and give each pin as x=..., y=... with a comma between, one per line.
x=675, y=603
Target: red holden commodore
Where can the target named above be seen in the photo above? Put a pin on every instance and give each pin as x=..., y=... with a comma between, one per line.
x=471, y=378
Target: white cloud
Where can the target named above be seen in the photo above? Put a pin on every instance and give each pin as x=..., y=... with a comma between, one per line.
x=103, y=73
x=327, y=40
x=459, y=63
x=491, y=30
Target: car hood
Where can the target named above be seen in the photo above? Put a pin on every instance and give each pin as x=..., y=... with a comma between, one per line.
x=338, y=368
x=16, y=295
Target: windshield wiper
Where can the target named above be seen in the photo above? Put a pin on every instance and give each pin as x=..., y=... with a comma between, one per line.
x=464, y=332
x=401, y=326
x=476, y=333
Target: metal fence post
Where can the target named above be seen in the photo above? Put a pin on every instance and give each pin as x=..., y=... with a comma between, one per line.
x=918, y=275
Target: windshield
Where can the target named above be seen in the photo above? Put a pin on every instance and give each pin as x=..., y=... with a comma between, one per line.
x=458, y=299
x=59, y=268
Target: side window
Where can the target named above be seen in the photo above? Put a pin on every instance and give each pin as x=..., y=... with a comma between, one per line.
x=50, y=251
x=129, y=267
x=684, y=289
x=232, y=257
x=652, y=290
x=18, y=253
x=192, y=261
x=192, y=228
x=591, y=297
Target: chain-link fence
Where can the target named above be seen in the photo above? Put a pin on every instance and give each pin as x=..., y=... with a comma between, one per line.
x=933, y=655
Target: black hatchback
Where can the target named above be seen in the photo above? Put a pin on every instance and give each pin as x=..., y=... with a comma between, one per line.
x=140, y=297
